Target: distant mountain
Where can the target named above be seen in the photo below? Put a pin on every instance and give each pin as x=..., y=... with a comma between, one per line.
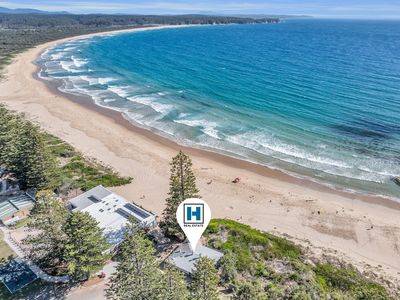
x=254, y=16
x=4, y=10
x=262, y=16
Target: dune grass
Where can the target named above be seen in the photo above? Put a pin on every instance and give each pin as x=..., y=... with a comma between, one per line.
x=282, y=269
x=76, y=171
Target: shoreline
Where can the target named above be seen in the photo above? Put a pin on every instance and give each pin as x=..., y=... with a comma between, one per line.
x=116, y=116
x=267, y=199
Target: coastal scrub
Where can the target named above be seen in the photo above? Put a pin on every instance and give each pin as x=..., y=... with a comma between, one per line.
x=280, y=269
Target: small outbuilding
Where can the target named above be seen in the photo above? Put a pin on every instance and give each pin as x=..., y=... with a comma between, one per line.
x=184, y=258
x=15, y=207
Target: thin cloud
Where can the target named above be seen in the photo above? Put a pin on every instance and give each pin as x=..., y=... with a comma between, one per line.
x=336, y=8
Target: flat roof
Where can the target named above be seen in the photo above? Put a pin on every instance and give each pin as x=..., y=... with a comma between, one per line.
x=88, y=198
x=10, y=205
x=16, y=274
x=184, y=259
x=111, y=211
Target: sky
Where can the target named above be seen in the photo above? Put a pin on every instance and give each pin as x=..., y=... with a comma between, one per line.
x=365, y=9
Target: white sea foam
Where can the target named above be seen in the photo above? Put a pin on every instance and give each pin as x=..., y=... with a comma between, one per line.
x=270, y=146
x=45, y=54
x=69, y=66
x=105, y=80
x=79, y=62
x=57, y=56
x=69, y=48
x=95, y=80
x=183, y=115
x=151, y=101
x=208, y=127
x=121, y=91
x=381, y=168
x=304, y=158
x=42, y=76
x=108, y=100
x=90, y=80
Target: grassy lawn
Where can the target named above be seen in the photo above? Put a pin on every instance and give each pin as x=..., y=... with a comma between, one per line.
x=5, y=250
x=20, y=223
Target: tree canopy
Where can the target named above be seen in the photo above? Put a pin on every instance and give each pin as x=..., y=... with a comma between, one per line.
x=205, y=279
x=85, y=245
x=46, y=238
x=137, y=276
x=182, y=185
x=175, y=287
x=62, y=242
x=24, y=154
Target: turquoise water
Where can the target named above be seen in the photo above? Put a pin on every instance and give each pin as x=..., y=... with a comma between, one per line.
x=315, y=98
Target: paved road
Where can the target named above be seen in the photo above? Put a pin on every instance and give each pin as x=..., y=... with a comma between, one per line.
x=96, y=291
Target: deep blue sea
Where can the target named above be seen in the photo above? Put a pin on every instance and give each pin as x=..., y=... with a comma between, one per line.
x=315, y=98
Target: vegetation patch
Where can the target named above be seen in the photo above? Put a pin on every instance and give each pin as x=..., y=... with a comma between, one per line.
x=40, y=161
x=270, y=267
x=5, y=250
x=20, y=223
x=77, y=172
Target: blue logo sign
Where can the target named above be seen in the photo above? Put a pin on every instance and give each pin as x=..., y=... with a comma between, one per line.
x=193, y=213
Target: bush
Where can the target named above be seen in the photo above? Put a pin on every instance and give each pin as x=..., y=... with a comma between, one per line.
x=279, y=265
x=349, y=280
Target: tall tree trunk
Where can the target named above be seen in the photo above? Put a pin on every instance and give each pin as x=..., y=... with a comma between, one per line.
x=182, y=178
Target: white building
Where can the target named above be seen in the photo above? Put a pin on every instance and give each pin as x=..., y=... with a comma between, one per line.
x=185, y=259
x=112, y=212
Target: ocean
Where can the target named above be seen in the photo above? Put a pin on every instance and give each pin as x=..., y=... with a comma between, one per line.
x=315, y=98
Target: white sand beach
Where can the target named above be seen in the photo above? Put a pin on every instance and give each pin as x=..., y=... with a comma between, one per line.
x=363, y=229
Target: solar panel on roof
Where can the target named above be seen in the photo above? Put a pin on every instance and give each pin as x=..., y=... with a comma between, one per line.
x=136, y=210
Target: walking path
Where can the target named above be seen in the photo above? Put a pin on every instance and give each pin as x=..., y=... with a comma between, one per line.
x=11, y=242
x=21, y=257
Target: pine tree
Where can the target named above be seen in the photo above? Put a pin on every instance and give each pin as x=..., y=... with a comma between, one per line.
x=228, y=267
x=7, y=121
x=85, y=246
x=182, y=186
x=31, y=162
x=24, y=154
x=174, y=284
x=205, y=280
x=46, y=239
x=137, y=276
